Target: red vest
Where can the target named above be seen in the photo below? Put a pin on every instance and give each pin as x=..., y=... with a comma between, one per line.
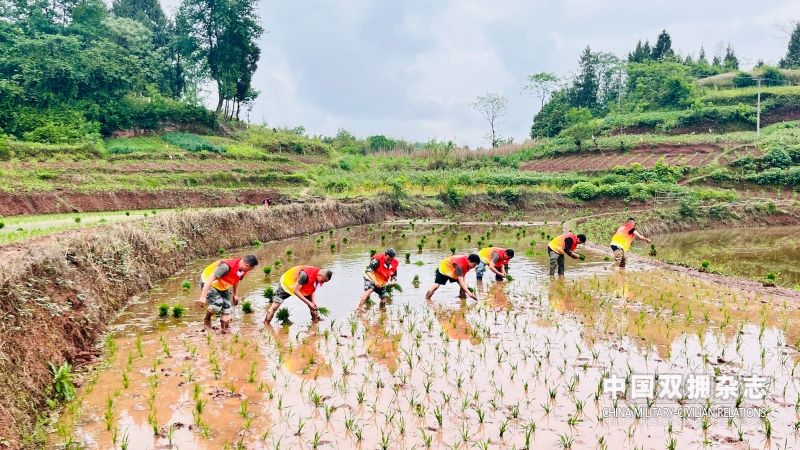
x=311, y=285
x=383, y=273
x=504, y=259
x=461, y=261
x=232, y=278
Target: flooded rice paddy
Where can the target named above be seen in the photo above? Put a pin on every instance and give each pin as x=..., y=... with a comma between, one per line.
x=746, y=252
x=531, y=364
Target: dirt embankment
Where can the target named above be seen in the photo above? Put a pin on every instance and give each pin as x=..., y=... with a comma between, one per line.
x=59, y=293
x=691, y=155
x=19, y=203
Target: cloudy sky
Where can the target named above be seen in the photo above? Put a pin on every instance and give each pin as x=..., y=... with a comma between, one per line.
x=410, y=68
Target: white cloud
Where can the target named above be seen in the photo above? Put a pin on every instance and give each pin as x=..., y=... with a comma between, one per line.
x=410, y=68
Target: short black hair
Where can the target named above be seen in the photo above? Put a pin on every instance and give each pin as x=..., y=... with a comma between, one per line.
x=473, y=258
x=389, y=252
x=250, y=260
x=582, y=238
x=631, y=219
x=509, y=253
x=328, y=274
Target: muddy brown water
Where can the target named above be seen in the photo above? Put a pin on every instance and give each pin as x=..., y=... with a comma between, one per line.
x=746, y=252
x=521, y=366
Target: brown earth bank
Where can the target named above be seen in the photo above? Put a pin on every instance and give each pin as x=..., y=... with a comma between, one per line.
x=692, y=155
x=54, y=202
x=59, y=294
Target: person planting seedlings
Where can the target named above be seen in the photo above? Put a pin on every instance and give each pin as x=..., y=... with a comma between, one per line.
x=219, y=288
x=453, y=269
x=302, y=282
x=622, y=240
x=561, y=245
x=380, y=274
x=496, y=259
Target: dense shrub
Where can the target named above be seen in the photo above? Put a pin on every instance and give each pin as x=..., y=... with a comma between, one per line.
x=452, y=196
x=583, y=191
x=743, y=79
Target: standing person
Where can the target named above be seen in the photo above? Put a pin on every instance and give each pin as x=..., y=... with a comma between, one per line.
x=496, y=259
x=302, y=282
x=381, y=272
x=622, y=240
x=453, y=269
x=266, y=203
x=561, y=245
x=217, y=281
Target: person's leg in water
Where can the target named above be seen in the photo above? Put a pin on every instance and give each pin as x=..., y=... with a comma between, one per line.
x=277, y=301
x=369, y=288
x=218, y=303
x=383, y=295
x=561, y=265
x=480, y=270
x=439, y=281
x=553, y=261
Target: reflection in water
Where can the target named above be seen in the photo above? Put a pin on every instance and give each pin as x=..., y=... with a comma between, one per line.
x=301, y=355
x=496, y=297
x=454, y=322
x=380, y=343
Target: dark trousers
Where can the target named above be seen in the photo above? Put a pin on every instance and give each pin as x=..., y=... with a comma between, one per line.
x=556, y=261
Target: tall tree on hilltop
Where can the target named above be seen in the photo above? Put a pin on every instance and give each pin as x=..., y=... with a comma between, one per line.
x=792, y=58
x=701, y=57
x=586, y=85
x=663, y=47
x=641, y=53
x=730, y=61
x=542, y=84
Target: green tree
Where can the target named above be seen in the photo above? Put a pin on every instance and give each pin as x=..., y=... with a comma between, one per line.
x=792, y=58
x=641, y=53
x=542, y=84
x=663, y=48
x=730, y=61
x=492, y=107
x=586, y=85
x=219, y=37
x=552, y=118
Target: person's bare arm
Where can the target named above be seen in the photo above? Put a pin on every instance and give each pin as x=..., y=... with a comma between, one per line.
x=204, y=292
x=298, y=294
x=236, y=294
x=463, y=283
x=639, y=235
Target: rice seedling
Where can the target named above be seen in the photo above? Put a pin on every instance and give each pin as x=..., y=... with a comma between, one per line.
x=186, y=285
x=267, y=270
x=324, y=311
x=283, y=316
x=415, y=281
x=769, y=280
x=705, y=265
x=177, y=311
x=163, y=310
x=247, y=307
x=452, y=250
